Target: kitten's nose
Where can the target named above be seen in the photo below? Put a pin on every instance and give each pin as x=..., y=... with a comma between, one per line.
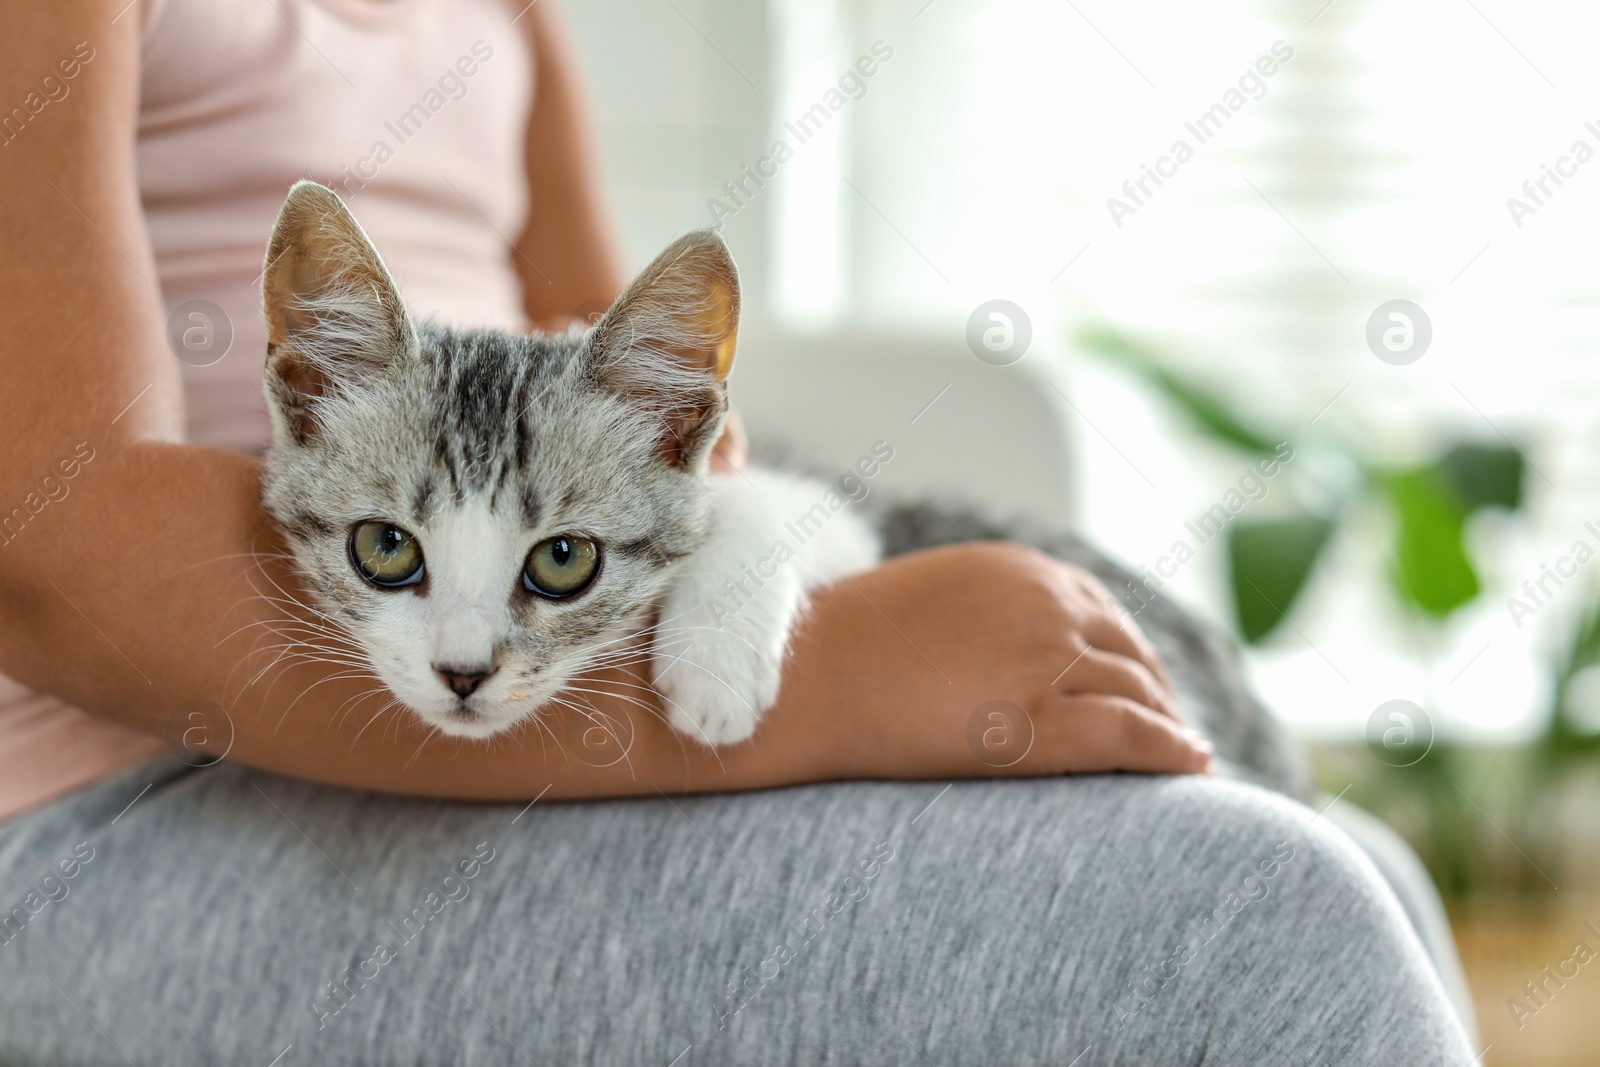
x=463, y=681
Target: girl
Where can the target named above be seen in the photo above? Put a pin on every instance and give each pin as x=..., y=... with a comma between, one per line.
x=307, y=900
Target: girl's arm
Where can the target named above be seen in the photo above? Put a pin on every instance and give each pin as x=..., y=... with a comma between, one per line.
x=149, y=586
x=569, y=257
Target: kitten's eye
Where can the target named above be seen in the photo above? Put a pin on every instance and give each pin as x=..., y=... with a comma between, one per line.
x=386, y=555
x=561, y=566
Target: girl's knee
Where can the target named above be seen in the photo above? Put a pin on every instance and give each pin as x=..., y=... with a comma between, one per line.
x=1248, y=843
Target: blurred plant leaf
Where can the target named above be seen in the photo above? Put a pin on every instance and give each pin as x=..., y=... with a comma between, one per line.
x=1268, y=564
x=1485, y=475
x=1431, y=571
x=1213, y=414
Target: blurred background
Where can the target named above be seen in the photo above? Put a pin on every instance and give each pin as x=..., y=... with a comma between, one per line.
x=1095, y=262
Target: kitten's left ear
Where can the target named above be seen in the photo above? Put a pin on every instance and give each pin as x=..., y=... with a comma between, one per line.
x=668, y=343
x=334, y=315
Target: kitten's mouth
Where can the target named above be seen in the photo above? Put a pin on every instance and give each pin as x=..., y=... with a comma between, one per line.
x=466, y=721
x=479, y=715
x=464, y=714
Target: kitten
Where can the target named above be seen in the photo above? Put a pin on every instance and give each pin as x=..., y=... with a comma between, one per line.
x=488, y=514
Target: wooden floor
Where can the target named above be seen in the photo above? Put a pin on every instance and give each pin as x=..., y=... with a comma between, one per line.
x=1506, y=945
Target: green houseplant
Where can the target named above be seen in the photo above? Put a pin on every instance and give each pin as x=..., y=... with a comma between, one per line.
x=1478, y=815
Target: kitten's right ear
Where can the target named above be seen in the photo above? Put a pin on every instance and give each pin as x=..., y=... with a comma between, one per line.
x=667, y=344
x=334, y=315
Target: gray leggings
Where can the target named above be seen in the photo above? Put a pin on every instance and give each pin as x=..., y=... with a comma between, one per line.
x=228, y=916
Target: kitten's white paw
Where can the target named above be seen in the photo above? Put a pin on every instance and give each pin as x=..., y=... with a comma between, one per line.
x=716, y=684
x=724, y=625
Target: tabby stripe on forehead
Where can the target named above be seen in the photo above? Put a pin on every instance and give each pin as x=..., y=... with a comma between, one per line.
x=481, y=395
x=507, y=472
x=442, y=457
x=524, y=446
x=422, y=504
x=517, y=402
x=531, y=510
x=502, y=470
x=455, y=480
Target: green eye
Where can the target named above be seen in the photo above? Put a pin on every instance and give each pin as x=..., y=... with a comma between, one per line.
x=386, y=555
x=561, y=566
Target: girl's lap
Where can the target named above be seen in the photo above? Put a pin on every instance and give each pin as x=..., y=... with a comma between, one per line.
x=230, y=916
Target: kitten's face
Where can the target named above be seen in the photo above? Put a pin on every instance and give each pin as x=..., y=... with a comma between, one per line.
x=486, y=514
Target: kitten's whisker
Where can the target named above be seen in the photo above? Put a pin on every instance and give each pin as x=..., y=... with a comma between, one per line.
x=660, y=714
x=252, y=554
x=721, y=680
x=285, y=618
x=649, y=709
x=593, y=715
x=540, y=729
x=286, y=625
x=630, y=698
x=626, y=684
x=390, y=706
x=293, y=643
x=659, y=631
x=347, y=708
x=319, y=683
x=293, y=655
x=433, y=733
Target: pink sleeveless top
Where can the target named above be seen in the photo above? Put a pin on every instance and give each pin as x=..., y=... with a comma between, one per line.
x=414, y=110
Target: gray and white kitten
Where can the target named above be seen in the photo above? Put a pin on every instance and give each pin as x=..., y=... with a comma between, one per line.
x=488, y=514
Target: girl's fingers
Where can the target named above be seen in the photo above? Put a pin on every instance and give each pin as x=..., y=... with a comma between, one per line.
x=1087, y=734
x=1099, y=672
x=1122, y=635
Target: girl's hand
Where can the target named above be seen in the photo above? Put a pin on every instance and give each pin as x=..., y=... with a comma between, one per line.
x=989, y=659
